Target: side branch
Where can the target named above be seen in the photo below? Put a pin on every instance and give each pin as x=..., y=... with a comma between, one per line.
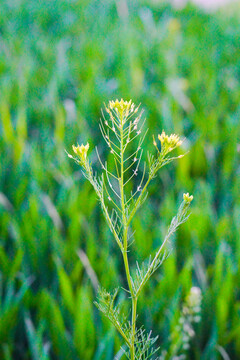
x=180, y=218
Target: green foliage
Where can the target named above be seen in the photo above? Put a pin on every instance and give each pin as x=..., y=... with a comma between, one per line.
x=106, y=305
x=59, y=62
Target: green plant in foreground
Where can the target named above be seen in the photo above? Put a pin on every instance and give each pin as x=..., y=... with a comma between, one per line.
x=121, y=196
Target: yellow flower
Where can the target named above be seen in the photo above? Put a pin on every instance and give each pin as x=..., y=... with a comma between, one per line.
x=187, y=198
x=81, y=151
x=171, y=141
x=168, y=143
x=123, y=108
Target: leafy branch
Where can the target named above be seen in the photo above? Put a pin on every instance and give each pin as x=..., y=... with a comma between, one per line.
x=143, y=275
x=105, y=304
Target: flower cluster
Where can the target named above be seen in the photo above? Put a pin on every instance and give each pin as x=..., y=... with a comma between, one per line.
x=122, y=108
x=81, y=152
x=168, y=143
x=187, y=198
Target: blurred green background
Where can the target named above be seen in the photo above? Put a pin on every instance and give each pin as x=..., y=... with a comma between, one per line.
x=59, y=62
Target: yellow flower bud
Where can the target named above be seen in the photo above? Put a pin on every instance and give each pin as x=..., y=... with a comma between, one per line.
x=187, y=198
x=169, y=142
x=81, y=151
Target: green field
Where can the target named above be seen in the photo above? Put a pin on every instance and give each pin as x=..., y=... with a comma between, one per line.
x=60, y=61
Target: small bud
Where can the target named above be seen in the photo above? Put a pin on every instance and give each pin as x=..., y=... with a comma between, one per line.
x=187, y=198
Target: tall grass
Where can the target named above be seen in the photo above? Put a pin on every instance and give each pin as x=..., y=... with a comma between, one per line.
x=59, y=62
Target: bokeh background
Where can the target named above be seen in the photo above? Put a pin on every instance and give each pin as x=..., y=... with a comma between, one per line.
x=59, y=62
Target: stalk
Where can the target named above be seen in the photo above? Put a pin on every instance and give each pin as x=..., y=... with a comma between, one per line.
x=134, y=314
x=125, y=244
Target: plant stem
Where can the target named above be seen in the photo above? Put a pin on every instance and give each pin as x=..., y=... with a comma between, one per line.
x=125, y=231
x=125, y=245
x=127, y=270
x=121, y=180
x=134, y=314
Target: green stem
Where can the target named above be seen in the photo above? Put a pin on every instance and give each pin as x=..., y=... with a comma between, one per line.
x=125, y=232
x=127, y=270
x=121, y=181
x=134, y=314
x=125, y=246
x=126, y=224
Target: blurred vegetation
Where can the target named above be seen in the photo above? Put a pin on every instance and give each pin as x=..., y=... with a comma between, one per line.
x=59, y=62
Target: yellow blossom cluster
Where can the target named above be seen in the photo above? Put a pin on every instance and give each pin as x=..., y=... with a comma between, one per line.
x=187, y=198
x=81, y=152
x=171, y=141
x=168, y=143
x=123, y=108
